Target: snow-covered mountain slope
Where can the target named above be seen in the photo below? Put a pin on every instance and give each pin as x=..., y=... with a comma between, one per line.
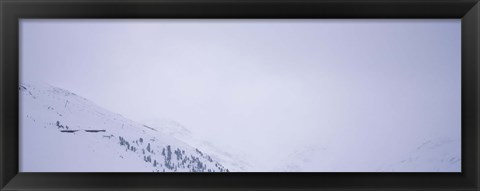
x=63, y=132
x=434, y=155
x=234, y=162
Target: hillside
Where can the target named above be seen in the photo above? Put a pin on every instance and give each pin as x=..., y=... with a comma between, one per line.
x=63, y=132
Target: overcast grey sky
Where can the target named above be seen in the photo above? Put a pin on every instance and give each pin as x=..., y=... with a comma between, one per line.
x=263, y=87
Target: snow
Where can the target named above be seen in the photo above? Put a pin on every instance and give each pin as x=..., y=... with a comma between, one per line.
x=63, y=132
x=434, y=155
x=235, y=162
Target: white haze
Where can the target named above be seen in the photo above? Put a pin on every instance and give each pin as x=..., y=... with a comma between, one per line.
x=365, y=91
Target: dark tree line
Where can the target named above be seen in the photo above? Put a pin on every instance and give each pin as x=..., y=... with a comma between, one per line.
x=60, y=126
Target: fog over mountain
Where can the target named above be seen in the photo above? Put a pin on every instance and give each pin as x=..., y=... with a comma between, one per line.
x=250, y=95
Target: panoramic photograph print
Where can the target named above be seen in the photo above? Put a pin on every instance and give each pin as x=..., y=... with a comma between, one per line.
x=233, y=95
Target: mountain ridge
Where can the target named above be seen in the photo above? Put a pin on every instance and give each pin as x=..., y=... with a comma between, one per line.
x=71, y=130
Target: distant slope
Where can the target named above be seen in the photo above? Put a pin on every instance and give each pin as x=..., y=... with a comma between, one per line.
x=63, y=132
x=434, y=155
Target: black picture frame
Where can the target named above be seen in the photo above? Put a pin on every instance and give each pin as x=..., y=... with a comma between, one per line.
x=13, y=10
